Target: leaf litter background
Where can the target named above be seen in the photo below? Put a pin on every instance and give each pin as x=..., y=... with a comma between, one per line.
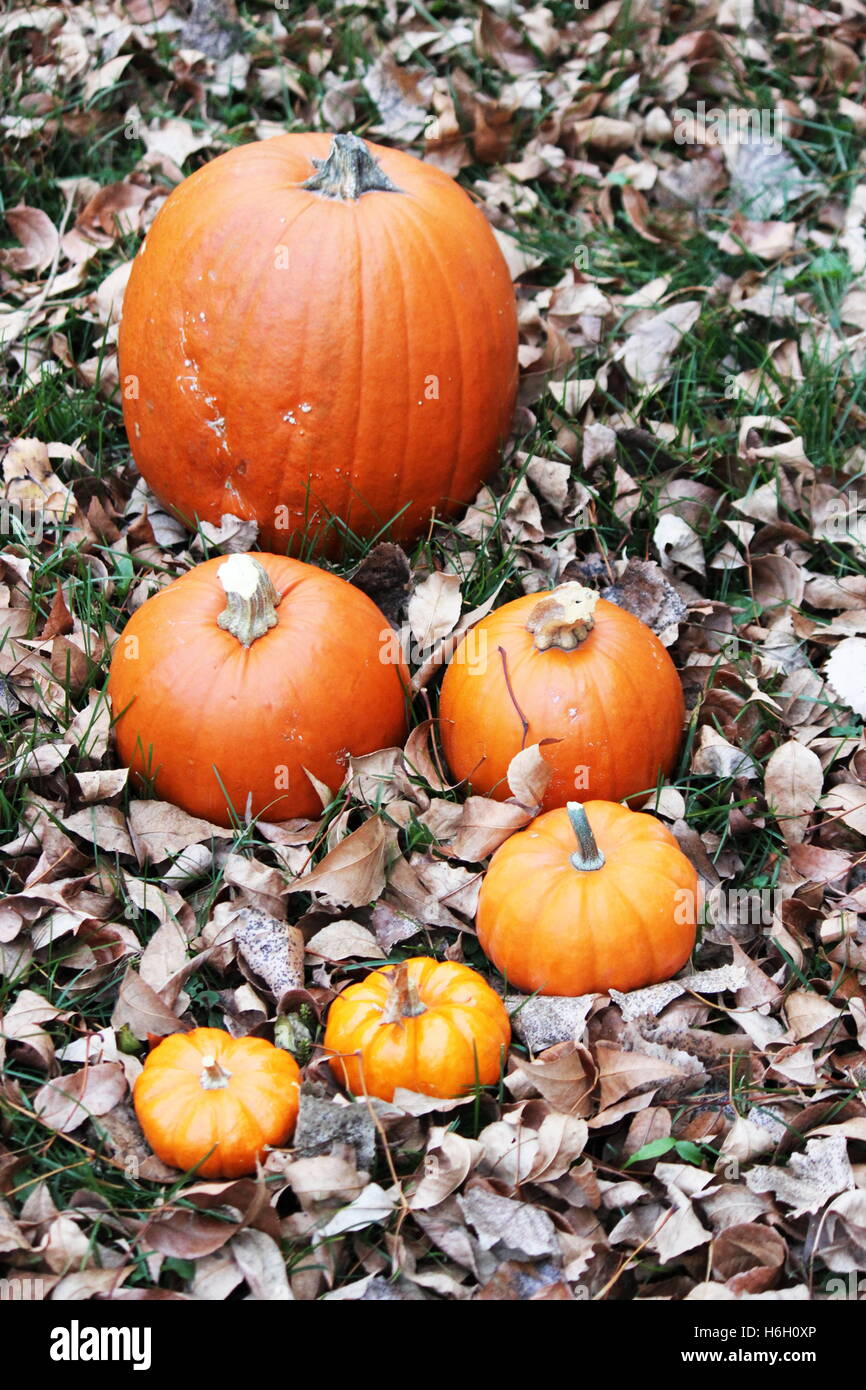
x=693, y=316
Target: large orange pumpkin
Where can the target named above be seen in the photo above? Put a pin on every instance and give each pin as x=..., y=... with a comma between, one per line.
x=588, y=898
x=425, y=1025
x=569, y=667
x=318, y=328
x=241, y=674
x=209, y=1101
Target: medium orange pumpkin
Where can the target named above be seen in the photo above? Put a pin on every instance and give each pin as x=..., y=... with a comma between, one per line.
x=318, y=328
x=241, y=674
x=588, y=898
x=425, y=1026
x=572, y=668
x=209, y=1101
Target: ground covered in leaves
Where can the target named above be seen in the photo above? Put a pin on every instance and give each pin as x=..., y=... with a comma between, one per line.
x=680, y=193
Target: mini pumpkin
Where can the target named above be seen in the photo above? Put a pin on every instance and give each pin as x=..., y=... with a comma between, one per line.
x=315, y=328
x=208, y=1101
x=588, y=898
x=242, y=675
x=570, y=668
x=428, y=1026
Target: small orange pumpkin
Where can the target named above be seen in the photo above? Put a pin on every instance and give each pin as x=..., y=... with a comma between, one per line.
x=208, y=1101
x=425, y=1026
x=238, y=678
x=586, y=899
x=568, y=667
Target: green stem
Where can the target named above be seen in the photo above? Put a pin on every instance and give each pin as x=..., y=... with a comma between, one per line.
x=587, y=856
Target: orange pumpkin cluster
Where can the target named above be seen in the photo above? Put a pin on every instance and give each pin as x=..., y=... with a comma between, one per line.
x=250, y=676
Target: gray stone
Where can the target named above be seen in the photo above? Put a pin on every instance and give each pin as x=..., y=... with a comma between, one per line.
x=324, y=1123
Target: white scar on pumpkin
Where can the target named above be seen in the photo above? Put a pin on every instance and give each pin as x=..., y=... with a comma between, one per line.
x=192, y=384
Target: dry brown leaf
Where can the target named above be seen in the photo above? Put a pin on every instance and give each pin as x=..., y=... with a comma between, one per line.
x=841, y=1238
x=260, y=1260
x=768, y=240
x=344, y=940
x=641, y=588
x=449, y=1160
x=810, y=1179
x=793, y=782
x=142, y=1010
x=647, y=352
x=716, y=757
x=847, y=801
x=37, y=234
x=67, y=1101
x=623, y=1073
x=21, y=1023
x=565, y=1075
x=528, y=776
x=511, y=1228
x=352, y=874
x=160, y=830
x=481, y=826
x=434, y=609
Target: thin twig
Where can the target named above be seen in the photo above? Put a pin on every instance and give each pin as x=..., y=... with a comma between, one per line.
x=521, y=716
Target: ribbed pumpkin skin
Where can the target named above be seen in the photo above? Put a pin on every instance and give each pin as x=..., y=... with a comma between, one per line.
x=300, y=379
x=182, y=1121
x=462, y=1036
x=615, y=705
x=552, y=929
x=307, y=694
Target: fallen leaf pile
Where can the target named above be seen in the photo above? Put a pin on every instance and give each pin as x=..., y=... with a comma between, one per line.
x=692, y=307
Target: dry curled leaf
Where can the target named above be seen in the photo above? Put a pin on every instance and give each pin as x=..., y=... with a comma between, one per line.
x=528, y=776
x=67, y=1101
x=353, y=873
x=434, y=609
x=344, y=940
x=793, y=782
x=810, y=1179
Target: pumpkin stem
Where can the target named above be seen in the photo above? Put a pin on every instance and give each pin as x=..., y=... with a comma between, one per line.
x=252, y=599
x=213, y=1077
x=587, y=856
x=563, y=618
x=403, y=1001
x=349, y=172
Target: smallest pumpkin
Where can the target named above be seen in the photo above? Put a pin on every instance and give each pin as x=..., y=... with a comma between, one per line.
x=425, y=1026
x=209, y=1101
x=587, y=899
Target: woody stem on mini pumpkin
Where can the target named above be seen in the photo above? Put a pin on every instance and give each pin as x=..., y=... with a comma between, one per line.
x=213, y=1077
x=251, y=599
x=563, y=618
x=587, y=856
x=349, y=172
x=403, y=1000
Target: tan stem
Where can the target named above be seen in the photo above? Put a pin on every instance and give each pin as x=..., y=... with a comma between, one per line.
x=403, y=1000
x=563, y=618
x=251, y=599
x=213, y=1077
x=349, y=172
